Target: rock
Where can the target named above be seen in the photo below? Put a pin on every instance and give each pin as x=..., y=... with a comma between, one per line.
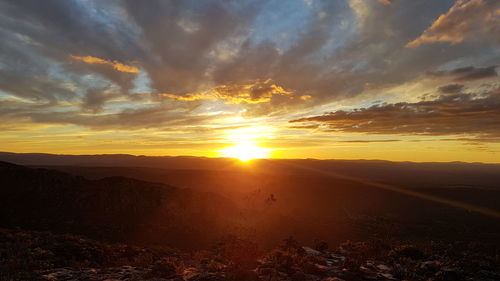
x=321, y=267
x=311, y=252
x=335, y=259
x=387, y=276
x=383, y=267
x=368, y=273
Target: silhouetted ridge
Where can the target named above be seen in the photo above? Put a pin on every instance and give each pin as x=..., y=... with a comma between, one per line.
x=114, y=208
x=8, y=165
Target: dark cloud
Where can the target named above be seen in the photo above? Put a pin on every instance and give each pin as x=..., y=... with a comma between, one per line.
x=129, y=119
x=451, y=114
x=451, y=88
x=95, y=99
x=38, y=40
x=468, y=73
x=157, y=116
x=181, y=40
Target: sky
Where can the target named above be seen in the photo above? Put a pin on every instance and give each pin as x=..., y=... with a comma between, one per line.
x=399, y=80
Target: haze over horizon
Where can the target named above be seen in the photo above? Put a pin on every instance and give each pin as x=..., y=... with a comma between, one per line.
x=395, y=80
x=40, y=155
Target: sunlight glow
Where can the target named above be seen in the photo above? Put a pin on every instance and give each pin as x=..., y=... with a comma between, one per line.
x=245, y=143
x=246, y=152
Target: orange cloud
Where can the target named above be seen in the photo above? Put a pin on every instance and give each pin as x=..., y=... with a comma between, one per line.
x=259, y=91
x=385, y=2
x=116, y=65
x=464, y=19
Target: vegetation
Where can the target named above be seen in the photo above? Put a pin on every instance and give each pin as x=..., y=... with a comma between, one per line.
x=28, y=255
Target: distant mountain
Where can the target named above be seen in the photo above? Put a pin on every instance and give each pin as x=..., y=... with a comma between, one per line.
x=114, y=208
x=116, y=160
x=408, y=174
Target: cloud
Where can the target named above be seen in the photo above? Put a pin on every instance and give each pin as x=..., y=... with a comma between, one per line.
x=468, y=73
x=255, y=92
x=450, y=114
x=90, y=114
x=195, y=57
x=309, y=126
x=385, y=2
x=116, y=65
x=95, y=99
x=126, y=119
x=465, y=20
x=35, y=53
x=451, y=88
x=181, y=40
x=368, y=141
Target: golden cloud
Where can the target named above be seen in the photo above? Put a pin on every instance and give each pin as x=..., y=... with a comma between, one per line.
x=259, y=91
x=116, y=65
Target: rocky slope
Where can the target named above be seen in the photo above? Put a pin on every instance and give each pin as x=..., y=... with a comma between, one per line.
x=45, y=256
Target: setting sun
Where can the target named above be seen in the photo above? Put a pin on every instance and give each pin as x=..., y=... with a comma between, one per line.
x=245, y=152
x=245, y=143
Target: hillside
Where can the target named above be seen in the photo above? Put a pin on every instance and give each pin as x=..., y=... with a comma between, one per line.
x=113, y=208
x=262, y=205
x=216, y=227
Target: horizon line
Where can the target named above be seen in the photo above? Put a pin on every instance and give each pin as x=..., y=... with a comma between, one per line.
x=256, y=159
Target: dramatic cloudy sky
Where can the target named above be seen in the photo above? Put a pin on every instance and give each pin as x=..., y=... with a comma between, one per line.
x=374, y=79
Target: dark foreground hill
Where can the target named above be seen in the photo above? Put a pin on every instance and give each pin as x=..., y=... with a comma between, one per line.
x=115, y=208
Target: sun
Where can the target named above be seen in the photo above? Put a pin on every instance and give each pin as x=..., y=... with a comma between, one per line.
x=246, y=152
x=244, y=143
